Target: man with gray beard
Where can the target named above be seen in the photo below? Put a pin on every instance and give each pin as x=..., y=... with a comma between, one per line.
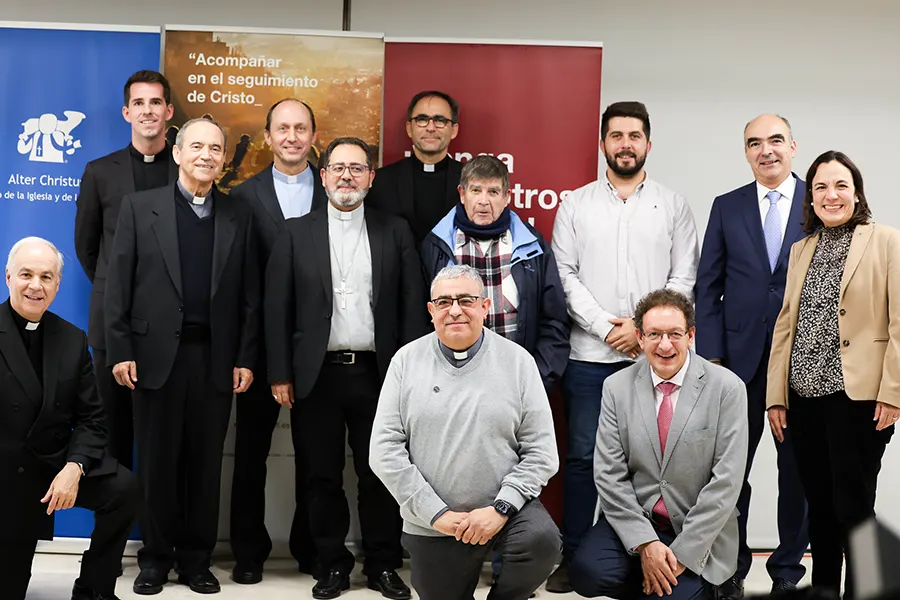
x=344, y=288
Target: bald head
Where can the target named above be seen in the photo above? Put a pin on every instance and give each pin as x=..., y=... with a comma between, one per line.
x=770, y=148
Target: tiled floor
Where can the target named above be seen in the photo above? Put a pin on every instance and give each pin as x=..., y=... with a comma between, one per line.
x=53, y=575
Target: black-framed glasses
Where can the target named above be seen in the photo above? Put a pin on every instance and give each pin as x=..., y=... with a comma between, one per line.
x=439, y=121
x=355, y=169
x=465, y=301
x=657, y=336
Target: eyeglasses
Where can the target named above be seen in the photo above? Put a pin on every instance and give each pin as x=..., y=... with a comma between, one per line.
x=657, y=336
x=445, y=302
x=439, y=121
x=355, y=169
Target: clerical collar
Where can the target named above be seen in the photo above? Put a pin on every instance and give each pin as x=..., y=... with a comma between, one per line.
x=147, y=158
x=459, y=358
x=352, y=215
x=191, y=197
x=300, y=177
x=438, y=167
x=22, y=322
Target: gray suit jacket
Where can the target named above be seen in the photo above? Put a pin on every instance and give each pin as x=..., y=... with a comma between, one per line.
x=700, y=475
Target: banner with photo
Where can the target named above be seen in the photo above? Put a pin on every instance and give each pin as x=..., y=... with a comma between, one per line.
x=62, y=108
x=234, y=75
x=535, y=105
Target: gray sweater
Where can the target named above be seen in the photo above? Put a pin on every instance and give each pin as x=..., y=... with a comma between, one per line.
x=461, y=437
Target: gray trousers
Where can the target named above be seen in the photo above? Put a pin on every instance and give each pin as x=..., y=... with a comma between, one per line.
x=529, y=546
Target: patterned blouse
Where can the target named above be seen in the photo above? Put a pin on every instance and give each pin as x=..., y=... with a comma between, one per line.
x=816, y=354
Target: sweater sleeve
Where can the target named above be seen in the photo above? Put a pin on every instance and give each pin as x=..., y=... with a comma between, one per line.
x=389, y=456
x=538, y=457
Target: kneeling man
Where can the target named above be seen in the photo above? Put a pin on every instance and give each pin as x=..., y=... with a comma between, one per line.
x=668, y=465
x=53, y=437
x=463, y=438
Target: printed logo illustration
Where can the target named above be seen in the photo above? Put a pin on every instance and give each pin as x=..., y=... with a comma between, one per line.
x=48, y=138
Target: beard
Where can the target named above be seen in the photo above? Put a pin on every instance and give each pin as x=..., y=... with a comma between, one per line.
x=626, y=172
x=346, y=198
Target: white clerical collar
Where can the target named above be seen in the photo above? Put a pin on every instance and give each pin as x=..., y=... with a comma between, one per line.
x=352, y=215
x=677, y=379
x=190, y=197
x=290, y=179
x=148, y=159
x=29, y=326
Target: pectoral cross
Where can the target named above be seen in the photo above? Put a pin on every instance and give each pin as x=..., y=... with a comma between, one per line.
x=343, y=291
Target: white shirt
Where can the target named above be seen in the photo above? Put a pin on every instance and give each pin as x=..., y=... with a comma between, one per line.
x=611, y=253
x=787, y=188
x=294, y=192
x=352, y=321
x=678, y=380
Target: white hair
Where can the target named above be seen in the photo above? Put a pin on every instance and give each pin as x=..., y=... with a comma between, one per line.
x=459, y=272
x=30, y=240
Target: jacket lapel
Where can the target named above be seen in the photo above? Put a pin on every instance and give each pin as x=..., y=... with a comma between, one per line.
x=643, y=388
x=268, y=197
x=322, y=253
x=166, y=230
x=13, y=350
x=750, y=209
x=794, y=231
x=858, y=245
x=319, y=200
x=225, y=231
x=688, y=396
x=126, y=183
x=51, y=358
x=375, y=231
x=454, y=171
x=173, y=167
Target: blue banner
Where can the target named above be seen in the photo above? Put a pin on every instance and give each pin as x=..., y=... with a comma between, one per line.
x=62, y=107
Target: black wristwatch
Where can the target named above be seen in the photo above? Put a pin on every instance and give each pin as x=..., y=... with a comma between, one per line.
x=504, y=508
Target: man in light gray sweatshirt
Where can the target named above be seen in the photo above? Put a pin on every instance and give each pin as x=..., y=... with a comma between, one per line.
x=463, y=438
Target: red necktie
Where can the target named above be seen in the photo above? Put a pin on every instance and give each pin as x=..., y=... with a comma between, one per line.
x=663, y=422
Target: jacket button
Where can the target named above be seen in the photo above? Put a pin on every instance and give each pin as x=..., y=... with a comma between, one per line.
x=842, y=312
x=764, y=319
x=771, y=288
x=177, y=334
x=846, y=343
x=15, y=406
x=20, y=470
x=180, y=309
x=663, y=483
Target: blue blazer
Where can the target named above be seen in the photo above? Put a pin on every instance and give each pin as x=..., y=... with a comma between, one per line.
x=737, y=296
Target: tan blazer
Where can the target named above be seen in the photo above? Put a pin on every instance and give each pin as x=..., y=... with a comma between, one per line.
x=868, y=317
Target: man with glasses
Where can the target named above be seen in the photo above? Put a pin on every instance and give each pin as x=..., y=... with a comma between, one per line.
x=344, y=289
x=670, y=453
x=464, y=440
x=422, y=187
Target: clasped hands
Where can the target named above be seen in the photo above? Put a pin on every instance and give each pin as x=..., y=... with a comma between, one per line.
x=477, y=527
x=660, y=567
x=623, y=337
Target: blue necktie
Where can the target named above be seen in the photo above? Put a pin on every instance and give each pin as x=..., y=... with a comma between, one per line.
x=772, y=228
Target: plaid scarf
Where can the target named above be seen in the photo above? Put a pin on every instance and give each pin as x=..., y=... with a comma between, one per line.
x=494, y=267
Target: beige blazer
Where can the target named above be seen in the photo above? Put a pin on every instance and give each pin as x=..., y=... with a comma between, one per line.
x=868, y=317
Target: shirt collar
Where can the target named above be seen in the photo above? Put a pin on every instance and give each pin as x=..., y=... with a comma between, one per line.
x=340, y=215
x=147, y=158
x=612, y=189
x=21, y=322
x=678, y=379
x=302, y=177
x=437, y=167
x=787, y=188
x=190, y=197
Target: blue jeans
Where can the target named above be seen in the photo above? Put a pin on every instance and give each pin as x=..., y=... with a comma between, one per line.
x=582, y=387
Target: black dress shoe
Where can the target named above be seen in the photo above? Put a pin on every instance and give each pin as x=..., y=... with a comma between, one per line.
x=558, y=583
x=733, y=589
x=331, y=585
x=246, y=575
x=390, y=585
x=202, y=582
x=781, y=585
x=149, y=582
x=83, y=592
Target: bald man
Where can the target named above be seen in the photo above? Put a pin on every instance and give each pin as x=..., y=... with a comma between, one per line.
x=739, y=291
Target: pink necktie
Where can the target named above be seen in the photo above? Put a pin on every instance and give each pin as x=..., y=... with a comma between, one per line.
x=663, y=422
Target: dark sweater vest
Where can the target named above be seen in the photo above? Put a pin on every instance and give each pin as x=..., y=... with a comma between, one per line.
x=196, y=238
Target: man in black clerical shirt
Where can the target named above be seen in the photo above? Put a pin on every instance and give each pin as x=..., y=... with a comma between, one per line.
x=146, y=163
x=53, y=450
x=422, y=187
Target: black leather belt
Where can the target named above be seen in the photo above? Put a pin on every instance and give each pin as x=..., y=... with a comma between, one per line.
x=347, y=357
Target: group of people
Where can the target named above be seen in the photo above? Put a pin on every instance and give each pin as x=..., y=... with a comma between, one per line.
x=312, y=287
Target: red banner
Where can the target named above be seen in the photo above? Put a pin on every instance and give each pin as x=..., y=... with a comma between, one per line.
x=535, y=107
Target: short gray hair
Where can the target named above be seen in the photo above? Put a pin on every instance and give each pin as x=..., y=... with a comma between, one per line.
x=31, y=240
x=179, y=138
x=459, y=272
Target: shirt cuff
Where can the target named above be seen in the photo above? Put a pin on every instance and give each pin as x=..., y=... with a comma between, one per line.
x=440, y=514
x=82, y=461
x=512, y=495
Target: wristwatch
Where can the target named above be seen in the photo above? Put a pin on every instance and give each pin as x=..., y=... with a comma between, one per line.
x=504, y=508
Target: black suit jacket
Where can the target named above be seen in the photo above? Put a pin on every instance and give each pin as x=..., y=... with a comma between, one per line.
x=144, y=293
x=69, y=426
x=300, y=295
x=392, y=191
x=105, y=182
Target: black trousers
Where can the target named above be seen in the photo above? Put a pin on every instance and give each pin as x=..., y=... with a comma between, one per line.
x=257, y=416
x=119, y=414
x=839, y=456
x=793, y=534
x=180, y=430
x=115, y=500
x=603, y=567
x=529, y=545
x=343, y=402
